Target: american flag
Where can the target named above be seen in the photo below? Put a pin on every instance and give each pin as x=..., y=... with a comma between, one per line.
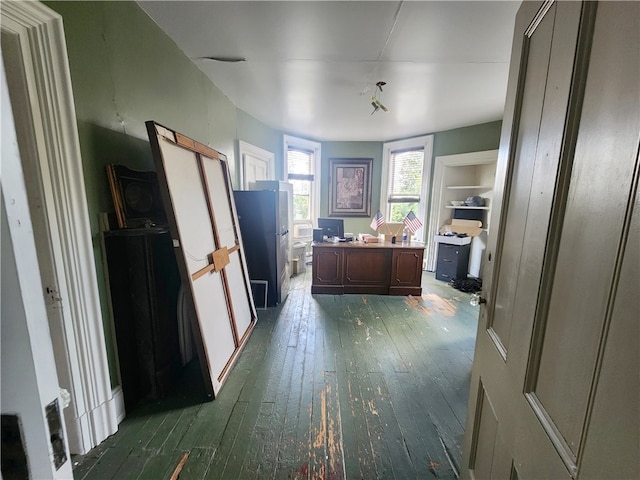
x=412, y=222
x=377, y=221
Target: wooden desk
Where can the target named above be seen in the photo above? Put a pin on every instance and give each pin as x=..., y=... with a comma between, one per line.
x=375, y=268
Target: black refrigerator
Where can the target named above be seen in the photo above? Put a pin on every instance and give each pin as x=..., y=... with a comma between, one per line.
x=264, y=224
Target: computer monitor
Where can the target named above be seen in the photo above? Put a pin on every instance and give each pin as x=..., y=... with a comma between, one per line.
x=332, y=227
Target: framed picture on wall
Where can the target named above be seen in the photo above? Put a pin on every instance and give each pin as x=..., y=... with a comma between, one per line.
x=350, y=187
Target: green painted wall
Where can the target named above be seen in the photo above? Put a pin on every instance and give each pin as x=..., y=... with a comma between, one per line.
x=257, y=133
x=371, y=150
x=460, y=140
x=476, y=138
x=126, y=71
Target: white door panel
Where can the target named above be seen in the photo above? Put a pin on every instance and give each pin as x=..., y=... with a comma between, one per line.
x=256, y=164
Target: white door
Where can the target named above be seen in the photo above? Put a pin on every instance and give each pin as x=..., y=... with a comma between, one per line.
x=256, y=164
x=555, y=384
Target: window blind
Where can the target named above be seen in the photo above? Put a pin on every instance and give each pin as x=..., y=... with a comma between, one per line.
x=300, y=164
x=405, y=183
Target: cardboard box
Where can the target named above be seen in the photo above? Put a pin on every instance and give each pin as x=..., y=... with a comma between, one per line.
x=366, y=238
x=389, y=230
x=472, y=228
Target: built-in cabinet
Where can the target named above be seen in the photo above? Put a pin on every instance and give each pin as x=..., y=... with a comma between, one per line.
x=457, y=177
x=466, y=181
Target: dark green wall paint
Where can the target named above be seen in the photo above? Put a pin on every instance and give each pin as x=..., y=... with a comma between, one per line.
x=460, y=140
x=476, y=138
x=253, y=131
x=126, y=71
x=371, y=150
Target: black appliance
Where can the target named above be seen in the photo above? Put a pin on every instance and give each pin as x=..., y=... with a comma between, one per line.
x=264, y=223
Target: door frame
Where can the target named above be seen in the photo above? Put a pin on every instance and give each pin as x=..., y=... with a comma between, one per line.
x=245, y=149
x=53, y=165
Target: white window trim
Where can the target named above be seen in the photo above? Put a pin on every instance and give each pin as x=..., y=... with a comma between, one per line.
x=245, y=149
x=425, y=142
x=295, y=142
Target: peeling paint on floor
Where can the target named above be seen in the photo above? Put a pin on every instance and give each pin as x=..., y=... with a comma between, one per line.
x=415, y=302
x=435, y=304
x=440, y=305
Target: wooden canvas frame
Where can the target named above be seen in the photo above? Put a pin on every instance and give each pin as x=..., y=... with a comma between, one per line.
x=350, y=187
x=196, y=191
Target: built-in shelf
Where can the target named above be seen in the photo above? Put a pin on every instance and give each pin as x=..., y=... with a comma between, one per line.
x=469, y=187
x=464, y=207
x=456, y=177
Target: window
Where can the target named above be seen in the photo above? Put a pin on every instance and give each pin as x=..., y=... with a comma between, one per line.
x=407, y=164
x=302, y=171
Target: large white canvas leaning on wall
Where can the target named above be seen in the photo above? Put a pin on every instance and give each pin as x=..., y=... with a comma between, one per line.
x=197, y=194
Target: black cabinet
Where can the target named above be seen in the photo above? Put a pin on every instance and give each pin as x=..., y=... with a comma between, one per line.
x=452, y=262
x=144, y=283
x=264, y=223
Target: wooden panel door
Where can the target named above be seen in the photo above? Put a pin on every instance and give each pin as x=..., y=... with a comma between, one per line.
x=256, y=164
x=197, y=195
x=255, y=169
x=555, y=385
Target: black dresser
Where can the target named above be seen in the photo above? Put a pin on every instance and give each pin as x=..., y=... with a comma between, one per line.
x=144, y=282
x=452, y=261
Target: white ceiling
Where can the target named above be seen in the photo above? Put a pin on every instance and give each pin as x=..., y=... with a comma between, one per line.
x=311, y=67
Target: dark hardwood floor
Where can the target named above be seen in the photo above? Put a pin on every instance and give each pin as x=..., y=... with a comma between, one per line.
x=328, y=387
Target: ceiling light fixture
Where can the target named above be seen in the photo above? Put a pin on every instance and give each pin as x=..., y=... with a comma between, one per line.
x=375, y=101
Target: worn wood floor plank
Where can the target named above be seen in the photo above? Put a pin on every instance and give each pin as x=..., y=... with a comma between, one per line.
x=255, y=441
x=228, y=451
x=319, y=421
x=287, y=463
x=197, y=464
x=159, y=466
x=329, y=387
x=210, y=422
x=172, y=428
x=274, y=442
x=304, y=432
